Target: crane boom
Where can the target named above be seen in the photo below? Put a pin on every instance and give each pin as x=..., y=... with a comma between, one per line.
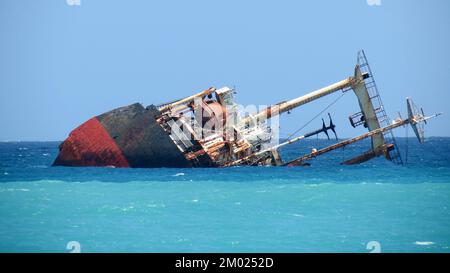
x=283, y=107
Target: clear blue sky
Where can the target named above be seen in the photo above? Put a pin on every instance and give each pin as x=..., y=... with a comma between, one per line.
x=61, y=64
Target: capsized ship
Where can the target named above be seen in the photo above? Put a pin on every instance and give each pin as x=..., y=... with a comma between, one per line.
x=207, y=130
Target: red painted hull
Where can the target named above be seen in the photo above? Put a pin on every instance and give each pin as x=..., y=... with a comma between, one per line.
x=91, y=145
x=128, y=136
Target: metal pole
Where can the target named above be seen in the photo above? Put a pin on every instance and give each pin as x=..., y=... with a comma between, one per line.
x=265, y=151
x=289, y=105
x=341, y=144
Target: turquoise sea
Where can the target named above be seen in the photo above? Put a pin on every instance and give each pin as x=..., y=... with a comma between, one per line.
x=326, y=207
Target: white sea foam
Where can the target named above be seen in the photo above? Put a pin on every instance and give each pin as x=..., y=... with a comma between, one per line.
x=128, y=208
x=156, y=205
x=297, y=215
x=423, y=243
x=11, y=189
x=39, y=166
x=178, y=174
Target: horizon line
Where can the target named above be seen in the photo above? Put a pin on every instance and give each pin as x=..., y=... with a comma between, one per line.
x=282, y=138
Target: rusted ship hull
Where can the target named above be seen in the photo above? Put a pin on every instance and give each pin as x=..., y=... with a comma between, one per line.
x=125, y=137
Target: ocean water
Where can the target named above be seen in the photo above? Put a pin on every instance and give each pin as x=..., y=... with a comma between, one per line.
x=326, y=207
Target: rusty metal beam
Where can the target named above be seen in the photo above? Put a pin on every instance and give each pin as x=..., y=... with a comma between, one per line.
x=282, y=107
x=397, y=123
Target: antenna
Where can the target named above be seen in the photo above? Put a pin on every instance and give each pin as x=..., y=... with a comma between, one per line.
x=332, y=126
x=324, y=129
x=415, y=116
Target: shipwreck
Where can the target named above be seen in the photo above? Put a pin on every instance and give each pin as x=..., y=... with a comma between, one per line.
x=207, y=130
